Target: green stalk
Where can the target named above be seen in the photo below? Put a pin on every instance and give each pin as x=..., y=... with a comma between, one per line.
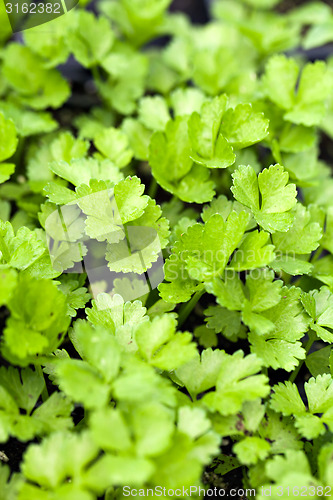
x=45, y=394
x=153, y=188
x=307, y=347
x=316, y=255
x=187, y=308
x=96, y=73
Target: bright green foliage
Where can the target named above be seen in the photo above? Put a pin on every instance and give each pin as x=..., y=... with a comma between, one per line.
x=272, y=209
x=38, y=320
x=279, y=347
x=91, y=39
x=307, y=106
x=8, y=143
x=286, y=399
x=319, y=362
x=233, y=376
x=174, y=169
x=35, y=85
x=159, y=344
x=138, y=20
x=8, y=138
x=119, y=317
x=77, y=451
x=260, y=294
x=318, y=304
x=236, y=383
x=208, y=138
x=127, y=71
x=251, y=449
x=166, y=240
x=154, y=113
x=53, y=48
x=22, y=250
x=281, y=432
x=201, y=254
x=19, y=416
x=113, y=144
x=243, y=127
x=209, y=146
x=301, y=239
x=206, y=367
x=28, y=122
x=292, y=468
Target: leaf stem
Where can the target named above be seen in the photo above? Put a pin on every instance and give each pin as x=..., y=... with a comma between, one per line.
x=153, y=188
x=187, y=308
x=316, y=255
x=96, y=74
x=307, y=347
x=45, y=393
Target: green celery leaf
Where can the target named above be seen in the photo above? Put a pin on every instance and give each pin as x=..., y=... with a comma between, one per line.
x=90, y=39
x=251, y=449
x=22, y=250
x=110, y=430
x=97, y=346
x=286, y=399
x=8, y=279
x=8, y=140
x=320, y=311
x=113, y=470
x=38, y=320
x=169, y=152
x=302, y=238
x=114, y=144
x=82, y=383
x=277, y=198
x=25, y=387
x=71, y=452
x=144, y=239
x=154, y=113
x=315, y=86
x=207, y=248
x=280, y=79
x=81, y=171
x=119, y=317
x=55, y=413
x=318, y=362
x=243, y=127
x=37, y=86
x=281, y=432
x=127, y=69
x=319, y=393
x=224, y=321
x=52, y=48
x=277, y=353
x=236, y=383
x=186, y=101
x=209, y=147
x=200, y=374
x=161, y=346
x=253, y=252
x=138, y=136
x=260, y=294
x=297, y=139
